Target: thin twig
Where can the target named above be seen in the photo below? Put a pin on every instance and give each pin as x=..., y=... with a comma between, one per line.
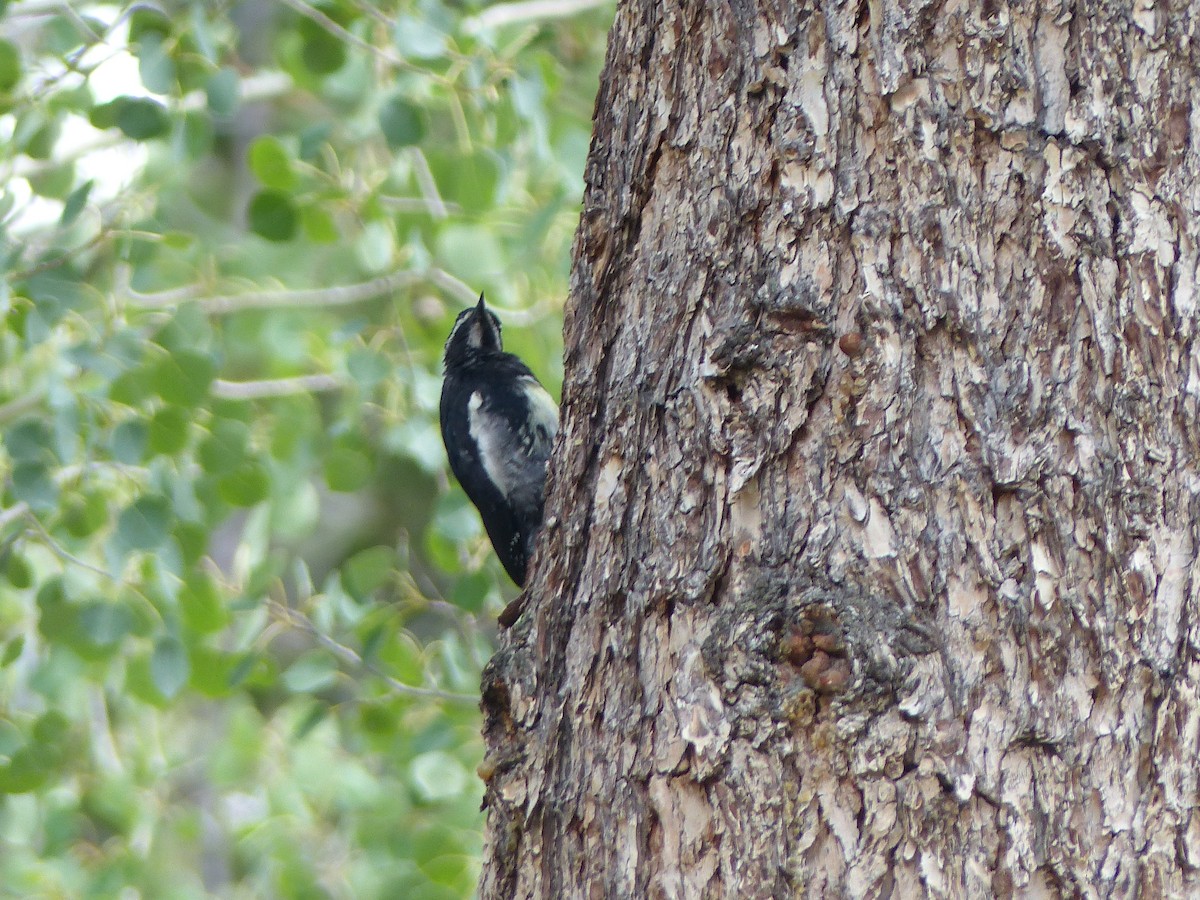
x=275, y=387
x=452, y=285
x=14, y=512
x=419, y=204
x=18, y=406
x=63, y=553
x=376, y=14
x=297, y=619
x=34, y=8
x=343, y=295
x=260, y=86
x=427, y=184
x=338, y=31
x=528, y=11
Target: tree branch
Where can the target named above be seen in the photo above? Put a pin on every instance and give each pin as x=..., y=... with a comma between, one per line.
x=528, y=11
x=296, y=619
x=315, y=15
x=18, y=406
x=14, y=512
x=275, y=387
x=284, y=298
x=260, y=86
x=428, y=186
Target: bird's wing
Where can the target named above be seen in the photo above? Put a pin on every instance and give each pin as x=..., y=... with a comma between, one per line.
x=514, y=439
x=539, y=429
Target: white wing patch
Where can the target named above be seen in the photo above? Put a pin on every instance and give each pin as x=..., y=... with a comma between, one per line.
x=496, y=444
x=543, y=418
x=515, y=463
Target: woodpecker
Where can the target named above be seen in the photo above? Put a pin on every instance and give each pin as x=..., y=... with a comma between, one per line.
x=498, y=424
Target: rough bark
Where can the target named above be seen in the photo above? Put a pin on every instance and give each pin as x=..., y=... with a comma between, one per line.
x=870, y=561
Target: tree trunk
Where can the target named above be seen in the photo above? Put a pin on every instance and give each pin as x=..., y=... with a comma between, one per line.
x=869, y=564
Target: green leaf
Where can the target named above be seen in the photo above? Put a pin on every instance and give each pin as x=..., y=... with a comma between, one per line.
x=244, y=668
x=155, y=67
x=403, y=657
x=317, y=713
x=198, y=134
x=271, y=165
x=105, y=623
x=471, y=180
x=455, y=518
x=32, y=484
x=367, y=367
x=185, y=332
x=419, y=440
x=347, y=467
x=210, y=671
x=183, y=377
x=128, y=442
x=12, y=650
x=178, y=240
x=402, y=122
x=273, y=216
x=23, y=773
x=169, y=430
x=437, y=776
x=169, y=667
x=471, y=252
x=295, y=512
x=147, y=23
x=450, y=869
x=311, y=672
x=323, y=53
x=28, y=440
x=368, y=570
x=130, y=388
x=375, y=247
x=60, y=287
x=35, y=136
x=143, y=524
x=75, y=203
x=312, y=138
x=226, y=446
x=18, y=572
x=471, y=591
x=418, y=39
x=224, y=92
x=192, y=538
x=10, y=66
x=141, y=118
x=104, y=115
x=246, y=485
x=54, y=183
x=85, y=513
x=56, y=618
x=202, y=604
x=318, y=225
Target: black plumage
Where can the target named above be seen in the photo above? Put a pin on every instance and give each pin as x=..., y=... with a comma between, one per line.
x=498, y=425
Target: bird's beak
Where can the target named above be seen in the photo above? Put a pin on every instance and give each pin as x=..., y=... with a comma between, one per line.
x=480, y=308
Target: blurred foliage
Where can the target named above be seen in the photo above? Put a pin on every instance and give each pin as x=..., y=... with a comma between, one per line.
x=243, y=610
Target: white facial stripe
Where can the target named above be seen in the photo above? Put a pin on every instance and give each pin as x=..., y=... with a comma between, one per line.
x=458, y=323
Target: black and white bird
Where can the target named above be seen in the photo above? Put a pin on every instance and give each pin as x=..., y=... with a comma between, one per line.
x=498, y=424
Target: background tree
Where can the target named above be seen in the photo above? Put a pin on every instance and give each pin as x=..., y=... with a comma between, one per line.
x=870, y=562
x=243, y=613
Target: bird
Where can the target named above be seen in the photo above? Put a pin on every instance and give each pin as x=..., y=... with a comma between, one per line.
x=498, y=426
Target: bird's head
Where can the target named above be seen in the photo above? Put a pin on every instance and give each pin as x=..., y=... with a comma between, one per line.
x=476, y=330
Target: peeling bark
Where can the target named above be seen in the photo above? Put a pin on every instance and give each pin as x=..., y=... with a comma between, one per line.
x=870, y=559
